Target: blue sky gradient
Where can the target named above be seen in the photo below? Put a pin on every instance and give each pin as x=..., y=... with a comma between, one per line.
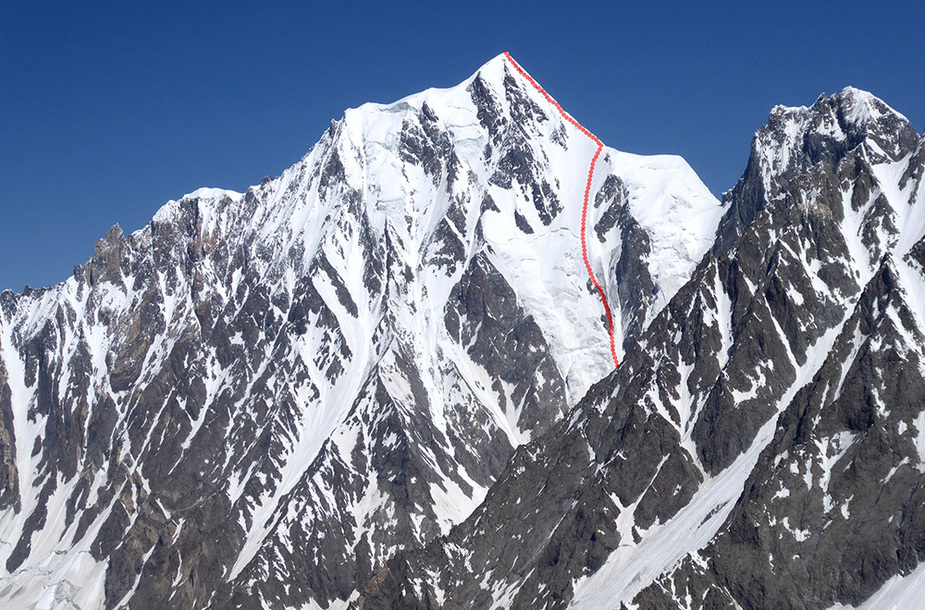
x=109, y=109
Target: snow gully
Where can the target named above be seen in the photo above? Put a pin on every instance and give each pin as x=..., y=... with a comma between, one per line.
x=584, y=207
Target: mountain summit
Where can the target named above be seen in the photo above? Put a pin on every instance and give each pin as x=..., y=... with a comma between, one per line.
x=259, y=398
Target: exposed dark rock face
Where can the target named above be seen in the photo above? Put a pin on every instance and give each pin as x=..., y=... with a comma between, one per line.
x=482, y=307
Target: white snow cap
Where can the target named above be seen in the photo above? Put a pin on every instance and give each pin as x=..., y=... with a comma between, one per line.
x=206, y=192
x=170, y=210
x=864, y=106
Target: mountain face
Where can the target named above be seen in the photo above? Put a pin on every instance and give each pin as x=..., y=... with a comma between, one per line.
x=762, y=444
x=258, y=399
x=383, y=379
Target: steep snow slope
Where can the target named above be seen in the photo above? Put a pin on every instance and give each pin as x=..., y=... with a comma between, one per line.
x=260, y=397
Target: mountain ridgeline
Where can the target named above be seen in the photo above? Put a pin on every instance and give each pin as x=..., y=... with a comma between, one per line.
x=383, y=379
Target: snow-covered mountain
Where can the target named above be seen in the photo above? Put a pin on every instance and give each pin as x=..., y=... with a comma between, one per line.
x=762, y=444
x=259, y=398
x=384, y=378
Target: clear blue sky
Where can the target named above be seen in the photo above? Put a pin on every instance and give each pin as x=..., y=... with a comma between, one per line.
x=109, y=109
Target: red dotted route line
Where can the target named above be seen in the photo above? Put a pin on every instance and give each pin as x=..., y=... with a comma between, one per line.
x=584, y=207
